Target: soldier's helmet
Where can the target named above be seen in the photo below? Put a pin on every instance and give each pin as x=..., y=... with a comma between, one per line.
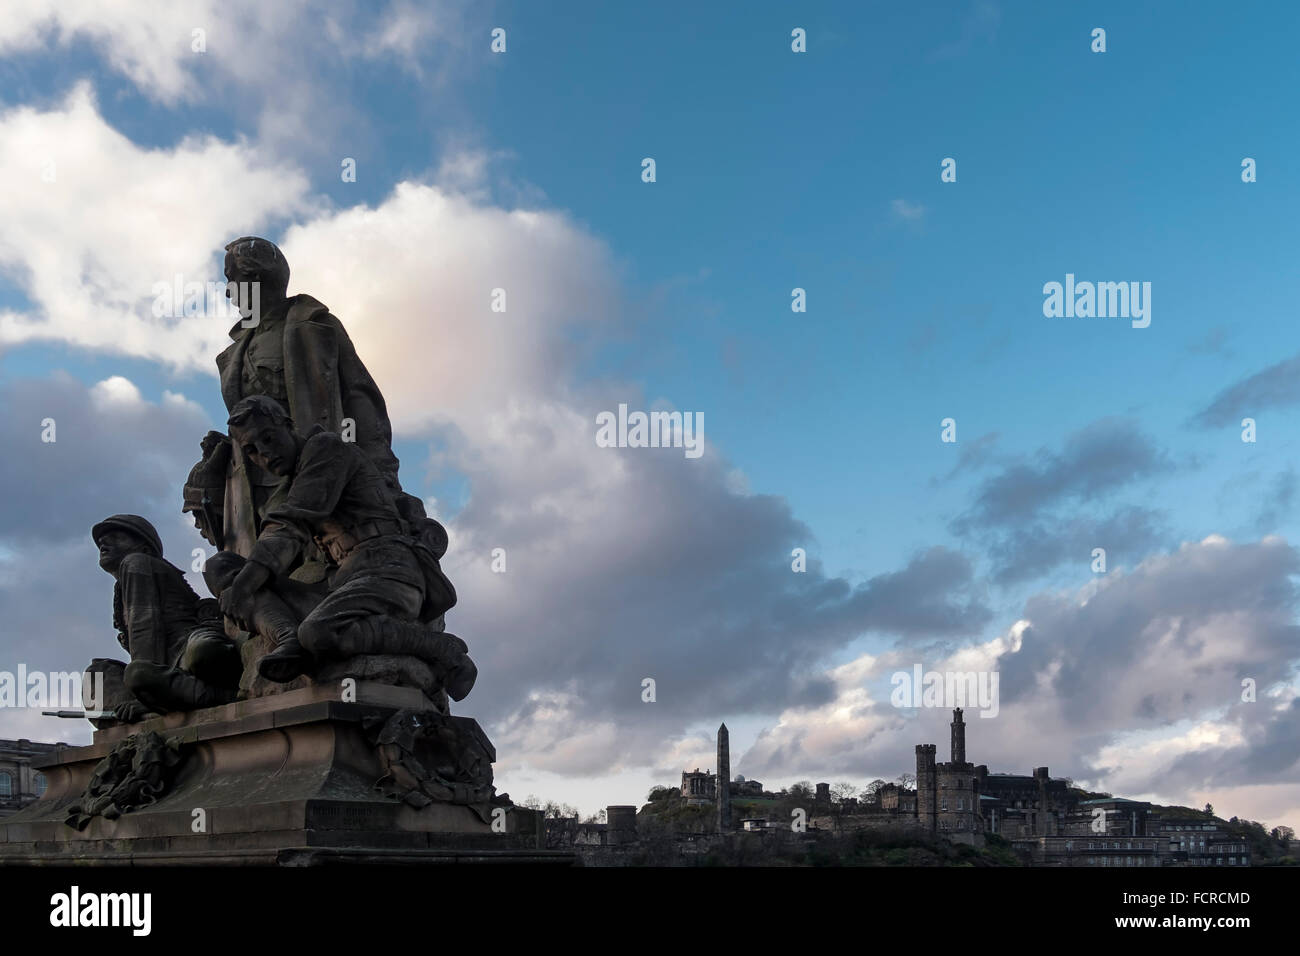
x=208, y=477
x=134, y=524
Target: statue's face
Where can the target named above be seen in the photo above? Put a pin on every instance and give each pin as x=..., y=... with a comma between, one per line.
x=241, y=280
x=201, y=526
x=270, y=290
x=269, y=446
x=114, y=545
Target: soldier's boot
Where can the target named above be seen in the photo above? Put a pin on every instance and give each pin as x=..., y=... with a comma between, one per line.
x=288, y=661
x=167, y=689
x=212, y=657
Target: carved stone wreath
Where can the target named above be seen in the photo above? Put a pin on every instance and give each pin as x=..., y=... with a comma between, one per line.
x=134, y=774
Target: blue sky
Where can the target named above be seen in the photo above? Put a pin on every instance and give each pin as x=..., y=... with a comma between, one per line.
x=778, y=170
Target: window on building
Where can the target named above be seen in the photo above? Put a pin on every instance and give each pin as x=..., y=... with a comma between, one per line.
x=38, y=783
x=6, y=784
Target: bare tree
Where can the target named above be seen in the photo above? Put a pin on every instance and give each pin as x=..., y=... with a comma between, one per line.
x=803, y=790
x=906, y=779
x=557, y=811
x=843, y=791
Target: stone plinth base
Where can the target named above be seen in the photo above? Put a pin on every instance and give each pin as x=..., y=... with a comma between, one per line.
x=284, y=780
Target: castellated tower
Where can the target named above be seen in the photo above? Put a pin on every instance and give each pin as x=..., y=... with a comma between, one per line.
x=958, y=737
x=926, y=794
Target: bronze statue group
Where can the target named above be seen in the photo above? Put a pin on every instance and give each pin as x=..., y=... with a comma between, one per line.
x=324, y=565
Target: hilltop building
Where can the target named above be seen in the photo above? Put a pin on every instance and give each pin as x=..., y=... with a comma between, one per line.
x=700, y=787
x=1044, y=818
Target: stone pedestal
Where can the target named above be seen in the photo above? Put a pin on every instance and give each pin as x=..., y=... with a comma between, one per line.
x=286, y=780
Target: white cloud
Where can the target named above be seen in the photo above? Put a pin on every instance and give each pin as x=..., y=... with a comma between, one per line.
x=280, y=68
x=246, y=42
x=413, y=280
x=907, y=211
x=116, y=390
x=146, y=40
x=89, y=247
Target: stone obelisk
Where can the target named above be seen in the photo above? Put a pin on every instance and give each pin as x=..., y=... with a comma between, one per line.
x=724, y=780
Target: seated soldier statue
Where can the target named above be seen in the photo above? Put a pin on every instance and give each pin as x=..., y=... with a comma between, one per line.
x=384, y=584
x=180, y=656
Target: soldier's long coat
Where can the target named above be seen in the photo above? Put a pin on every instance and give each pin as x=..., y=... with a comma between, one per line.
x=326, y=382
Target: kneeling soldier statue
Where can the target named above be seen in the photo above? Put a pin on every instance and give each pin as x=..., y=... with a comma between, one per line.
x=180, y=657
x=384, y=584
